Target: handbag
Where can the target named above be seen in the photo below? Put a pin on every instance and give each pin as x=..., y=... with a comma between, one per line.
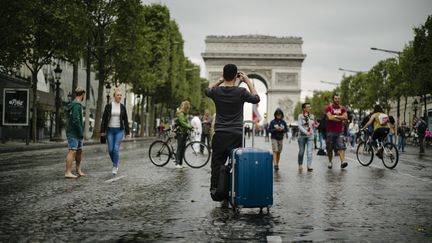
x=103, y=139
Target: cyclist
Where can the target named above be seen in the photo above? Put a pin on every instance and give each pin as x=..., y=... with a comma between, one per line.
x=183, y=130
x=380, y=125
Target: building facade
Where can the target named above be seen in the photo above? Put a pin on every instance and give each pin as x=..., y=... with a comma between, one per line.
x=276, y=61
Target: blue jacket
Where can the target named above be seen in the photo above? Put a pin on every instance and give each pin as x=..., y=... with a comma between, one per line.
x=278, y=135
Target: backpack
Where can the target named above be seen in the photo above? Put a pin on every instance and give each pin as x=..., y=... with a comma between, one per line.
x=422, y=127
x=383, y=119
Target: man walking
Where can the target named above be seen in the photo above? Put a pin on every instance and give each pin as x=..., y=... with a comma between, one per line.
x=229, y=100
x=336, y=115
x=74, y=134
x=421, y=127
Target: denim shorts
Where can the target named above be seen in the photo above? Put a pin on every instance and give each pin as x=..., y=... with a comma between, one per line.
x=336, y=140
x=74, y=143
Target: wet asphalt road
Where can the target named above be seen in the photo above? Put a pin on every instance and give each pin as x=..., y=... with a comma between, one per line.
x=148, y=203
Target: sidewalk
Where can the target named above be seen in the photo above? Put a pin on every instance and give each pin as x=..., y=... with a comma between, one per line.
x=18, y=146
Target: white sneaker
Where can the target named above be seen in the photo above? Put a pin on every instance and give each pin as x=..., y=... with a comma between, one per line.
x=114, y=170
x=330, y=165
x=178, y=166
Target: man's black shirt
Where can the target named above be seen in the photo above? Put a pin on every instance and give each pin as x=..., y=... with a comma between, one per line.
x=229, y=103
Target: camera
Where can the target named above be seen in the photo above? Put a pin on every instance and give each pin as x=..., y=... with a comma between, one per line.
x=238, y=75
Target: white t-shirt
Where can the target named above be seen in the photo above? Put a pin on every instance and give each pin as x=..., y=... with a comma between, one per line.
x=115, y=115
x=353, y=128
x=196, y=124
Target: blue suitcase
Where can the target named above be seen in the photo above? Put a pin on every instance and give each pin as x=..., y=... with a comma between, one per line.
x=251, y=181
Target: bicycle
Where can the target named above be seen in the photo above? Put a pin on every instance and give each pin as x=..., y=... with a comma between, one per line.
x=365, y=151
x=196, y=154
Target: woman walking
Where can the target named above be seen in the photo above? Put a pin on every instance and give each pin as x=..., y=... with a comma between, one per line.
x=305, y=139
x=183, y=131
x=114, y=126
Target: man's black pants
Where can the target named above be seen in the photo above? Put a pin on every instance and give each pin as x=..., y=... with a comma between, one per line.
x=222, y=144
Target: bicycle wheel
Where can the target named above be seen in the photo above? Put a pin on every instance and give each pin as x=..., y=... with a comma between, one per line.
x=364, y=154
x=390, y=155
x=196, y=154
x=159, y=153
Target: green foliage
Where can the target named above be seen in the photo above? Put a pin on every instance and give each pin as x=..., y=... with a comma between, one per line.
x=380, y=85
x=156, y=32
x=423, y=57
x=318, y=102
x=130, y=57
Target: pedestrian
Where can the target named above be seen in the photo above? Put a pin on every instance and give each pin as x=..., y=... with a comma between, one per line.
x=266, y=128
x=421, y=127
x=229, y=100
x=206, y=130
x=353, y=129
x=428, y=137
x=381, y=126
x=306, y=136
x=182, y=132
x=277, y=129
x=322, y=131
x=336, y=115
x=115, y=125
x=402, y=134
x=197, y=130
x=74, y=134
x=315, y=132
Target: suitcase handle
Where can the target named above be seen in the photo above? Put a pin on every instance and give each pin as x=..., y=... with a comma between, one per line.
x=253, y=133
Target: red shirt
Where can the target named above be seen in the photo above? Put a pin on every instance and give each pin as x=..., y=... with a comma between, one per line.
x=335, y=126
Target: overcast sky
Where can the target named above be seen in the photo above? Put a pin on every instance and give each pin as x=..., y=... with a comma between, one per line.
x=336, y=33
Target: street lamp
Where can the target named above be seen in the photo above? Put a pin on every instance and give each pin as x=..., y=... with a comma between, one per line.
x=398, y=53
x=348, y=70
x=108, y=88
x=415, y=105
x=57, y=76
x=328, y=82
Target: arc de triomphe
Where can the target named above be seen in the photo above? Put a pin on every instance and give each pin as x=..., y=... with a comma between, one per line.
x=276, y=61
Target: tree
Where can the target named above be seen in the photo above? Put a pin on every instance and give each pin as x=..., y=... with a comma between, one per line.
x=102, y=14
x=407, y=68
x=36, y=37
x=14, y=20
x=75, y=23
x=423, y=59
x=379, y=84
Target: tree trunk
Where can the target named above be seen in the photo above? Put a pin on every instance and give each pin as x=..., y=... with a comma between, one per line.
x=405, y=108
x=100, y=100
x=152, y=117
x=75, y=78
x=143, y=118
x=398, y=110
x=34, y=105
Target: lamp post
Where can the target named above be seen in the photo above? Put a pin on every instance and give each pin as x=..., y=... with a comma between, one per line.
x=349, y=70
x=57, y=76
x=108, y=89
x=397, y=54
x=415, y=106
x=328, y=82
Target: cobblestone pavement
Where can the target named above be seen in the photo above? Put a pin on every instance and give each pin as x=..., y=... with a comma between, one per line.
x=148, y=203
